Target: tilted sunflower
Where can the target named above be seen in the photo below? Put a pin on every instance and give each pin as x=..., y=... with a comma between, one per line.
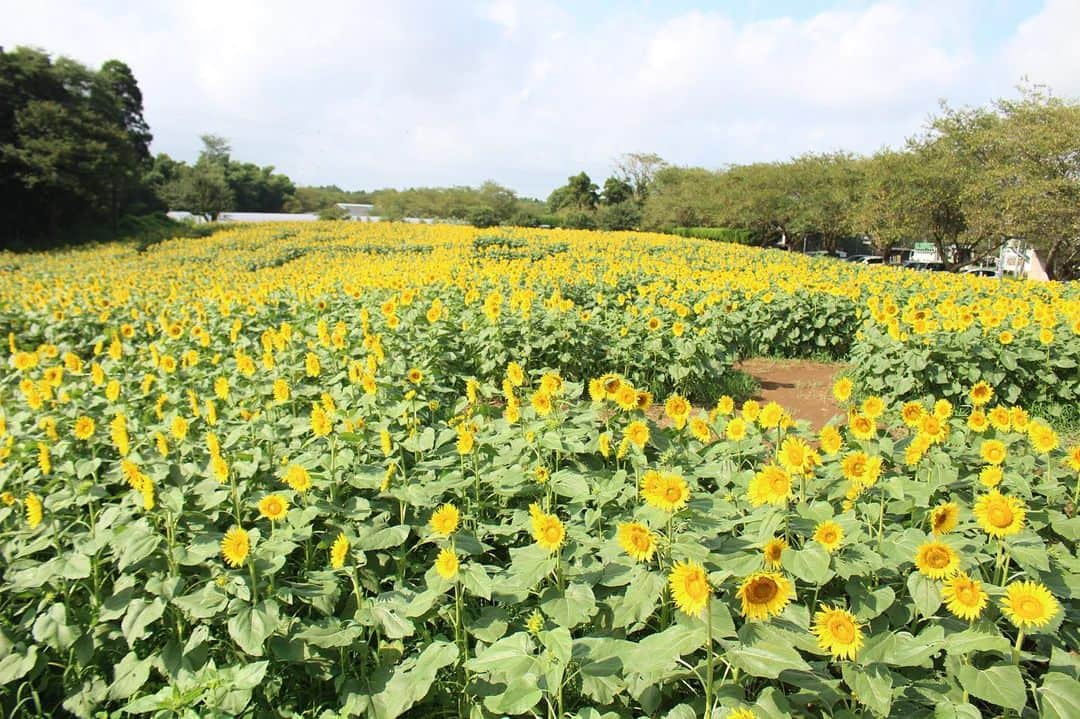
x=339, y=551
x=637, y=540
x=689, y=587
x=999, y=515
x=444, y=521
x=765, y=594
x=547, y=529
x=944, y=517
x=235, y=546
x=838, y=632
x=964, y=596
x=773, y=551
x=772, y=485
x=447, y=564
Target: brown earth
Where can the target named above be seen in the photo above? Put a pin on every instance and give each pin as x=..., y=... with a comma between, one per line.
x=801, y=387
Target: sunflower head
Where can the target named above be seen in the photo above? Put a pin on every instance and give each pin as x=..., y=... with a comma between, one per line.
x=829, y=534
x=838, y=632
x=235, y=546
x=447, y=564
x=274, y=507
x=339, y=551
x=444, y=521
x=637, y=540
x=765, y=594
x=1029, y=605
x=964, y=596
x=1000, y=515
x=772, y=485
x=944, y=517
x=773, y=551
x=689, y=587
x=937, y=560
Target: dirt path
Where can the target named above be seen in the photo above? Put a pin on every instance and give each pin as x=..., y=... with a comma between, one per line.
x=801, y=387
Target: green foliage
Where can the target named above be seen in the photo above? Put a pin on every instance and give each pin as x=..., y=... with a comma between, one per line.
x=718, y=234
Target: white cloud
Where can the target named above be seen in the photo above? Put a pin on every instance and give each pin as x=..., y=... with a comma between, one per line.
x=377, y=94
x=1045, y=48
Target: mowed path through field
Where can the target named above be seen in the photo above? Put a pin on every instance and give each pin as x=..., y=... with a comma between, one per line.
x=802, y=387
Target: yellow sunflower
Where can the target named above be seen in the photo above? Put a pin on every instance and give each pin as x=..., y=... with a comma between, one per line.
x=999, y=515
x=339, y=550
x=298, y=478
x=34, y=512
x=992, y=451
x=912, y=413
x=841, y=389
x=637, y=540
x=235, y=546
x=773, y=551
x=741, y=713
x=937, y=560
x=626, y=397
x=829, y=534
x=444, y=521
x=274, y=507
x=689, y=587
x=414, y=375
x=668, y=492
x=765, y=594
x=637, y=432
x=1043, y=438
x=964, y=596
x=736, y=429
x=838, y=632
x=321, y=424
x=977, y=421
x=447, y=564
x=873, y=406
x=796, y=456
x=980, y=394
x=84, y=428
x=1028, y=605
x=547, y=529
x=677, y=408
x=772, y=485
x=862, y=427
x=1000, y=418
x=991, y=476
x=699, y=428
x=944, y=517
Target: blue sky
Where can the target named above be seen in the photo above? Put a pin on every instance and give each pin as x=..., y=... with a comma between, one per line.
x=368, y=95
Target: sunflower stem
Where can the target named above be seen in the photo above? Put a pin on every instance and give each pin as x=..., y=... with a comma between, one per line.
x=1016, y=648
x=709, y=665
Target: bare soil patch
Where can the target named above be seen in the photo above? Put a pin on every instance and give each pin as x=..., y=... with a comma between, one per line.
x=802, y=387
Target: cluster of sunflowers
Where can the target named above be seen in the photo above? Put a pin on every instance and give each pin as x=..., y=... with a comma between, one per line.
x=345, y=470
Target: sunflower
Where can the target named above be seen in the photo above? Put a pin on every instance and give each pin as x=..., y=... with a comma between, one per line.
x=444, y=521
x=541, y=402
x=773, y=551
x=637, y=432
x=515, y=374
x=547, y=529
x=666, y=491
x=637, y=540
x=689, y=587
x=34, y=511
x=873, y=406
x=862, y=427
x=1043, y=438
x=1029, y=605
x=596, y=390
x=964, y=596
x=860, y=468
x=829, y=534
x=219, y=468
x=796, y=456
x=699, y=428
x=626, y=398
x=841, y=389
x=298, y=478
x=321, y=424
x=944, y=517
x=977, y=421
x=912, y=413
x=84, y=428
x=937, y=560
x=447, y=563
x=991, y=476
x=1072, y=458
x=750, y=410
x=1000, y=418
x=1005, y=337
x=235, y=546
x=992, y=451
x=933, y=429
x=179, y=428
x=980, y=394
x=943, y=409
x=677, y=408
x=999, y=515
x=551, y=383
x=831, y=440
x=281, y=390
x=339, y=550
x=741, y=713
x=736, y=429
x=765, y=594
x=838, y=632
x=644, y=400
x=273, y=507
x=772, y=485
x=725, y=405
x=1019, y=418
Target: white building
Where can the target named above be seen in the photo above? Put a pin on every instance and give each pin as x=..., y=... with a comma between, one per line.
x=359, y=212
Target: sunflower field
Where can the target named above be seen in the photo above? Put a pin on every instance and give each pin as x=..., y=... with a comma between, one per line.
x=346, y=470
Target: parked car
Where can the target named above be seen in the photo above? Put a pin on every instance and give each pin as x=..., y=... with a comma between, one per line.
x=872, y=260
x=925, y=266
x=981, y=271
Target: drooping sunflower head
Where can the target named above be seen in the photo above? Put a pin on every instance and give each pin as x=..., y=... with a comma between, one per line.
x=1029, y=605
x=689, y=587
x=937, y=560
x=447, y=563
x=765, y=594
x=964, y=596
x=773, y=551
x=838, y=632
x=444, y=521
x=339, y=551
x=944, y=517
x=637, y=540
